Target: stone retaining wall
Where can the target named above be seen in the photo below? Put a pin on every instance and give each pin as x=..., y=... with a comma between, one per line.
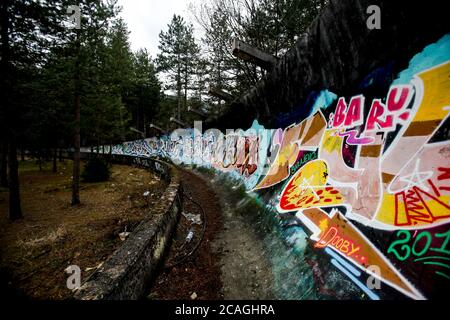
x=128, y=272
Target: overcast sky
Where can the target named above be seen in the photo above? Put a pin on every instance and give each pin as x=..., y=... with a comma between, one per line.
x=146, y=18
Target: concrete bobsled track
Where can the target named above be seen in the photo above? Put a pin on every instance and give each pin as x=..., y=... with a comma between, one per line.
x=340, y=188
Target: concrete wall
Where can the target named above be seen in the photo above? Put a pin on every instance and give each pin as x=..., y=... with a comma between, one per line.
x=129, y=271
x=337, y=52
x=348, y=147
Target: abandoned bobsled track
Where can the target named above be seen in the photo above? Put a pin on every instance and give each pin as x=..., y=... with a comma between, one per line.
x=241, y=254
x=207, y=238
x=228, y=262
x=191, y=267
x=344, y=164
x=198, y=242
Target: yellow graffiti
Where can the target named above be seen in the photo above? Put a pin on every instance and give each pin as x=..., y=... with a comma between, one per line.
x=417, y=206
x=308, y=189
x=332, y=142
x=306, y=134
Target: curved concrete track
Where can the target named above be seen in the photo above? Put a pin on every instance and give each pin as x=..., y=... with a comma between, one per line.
x=229, y=263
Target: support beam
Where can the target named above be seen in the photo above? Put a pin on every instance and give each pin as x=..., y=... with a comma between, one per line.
x=157, y=128
x=173, y=119
x=219, y=93
x=197, y=112
x=253, y=55
x=138, y=131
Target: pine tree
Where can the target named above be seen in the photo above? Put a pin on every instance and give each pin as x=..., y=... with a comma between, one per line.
x=178, y=58
x=270, y=25
x=86, y=42
x=28, y=29
x=190, y=59
x=146, y=90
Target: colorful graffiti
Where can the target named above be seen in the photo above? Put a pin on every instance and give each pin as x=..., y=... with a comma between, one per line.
x=380, y=162
x=425, y=247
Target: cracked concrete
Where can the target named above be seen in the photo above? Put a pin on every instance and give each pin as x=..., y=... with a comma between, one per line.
x=246, y=270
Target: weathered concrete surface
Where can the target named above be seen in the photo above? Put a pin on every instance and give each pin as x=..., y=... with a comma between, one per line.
x=191, y=268
x=127, y=273
x=336, y=53
x=246, y=270
x=245, y=266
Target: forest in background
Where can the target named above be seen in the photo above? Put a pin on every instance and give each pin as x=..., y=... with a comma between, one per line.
x=63, y=86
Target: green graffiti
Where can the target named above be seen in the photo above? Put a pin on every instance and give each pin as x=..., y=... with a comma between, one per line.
x=427, y=245
x=444, y=243
x=306, y=158
x=404, y=247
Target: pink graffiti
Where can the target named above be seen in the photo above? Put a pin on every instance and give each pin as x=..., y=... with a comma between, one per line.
x=350, y=116
x=354, y=140
x=385, y=117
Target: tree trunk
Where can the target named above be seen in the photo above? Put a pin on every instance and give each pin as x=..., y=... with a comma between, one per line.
x=145, y=125
x=179, y=90
x=4, y=166
x=54, y=159
x=185, y=85
x=122, y=126
x=15, y=210
x=4, y=71
x=76, y=154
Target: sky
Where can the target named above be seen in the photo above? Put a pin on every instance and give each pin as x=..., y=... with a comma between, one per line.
x=146, y=18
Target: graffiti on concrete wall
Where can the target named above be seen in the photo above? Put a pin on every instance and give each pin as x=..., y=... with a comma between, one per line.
x=379, y=162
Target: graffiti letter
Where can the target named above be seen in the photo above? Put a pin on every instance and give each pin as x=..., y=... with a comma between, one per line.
x=322, y=243
x=376, y=111
x=339, y=115
x=403, y=247
x=344, y=248
x=353, y=250
x=396, y=102
x=355, y=112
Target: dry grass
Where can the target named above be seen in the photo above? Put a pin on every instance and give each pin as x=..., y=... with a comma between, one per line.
x=50, y=238
x=36, y=250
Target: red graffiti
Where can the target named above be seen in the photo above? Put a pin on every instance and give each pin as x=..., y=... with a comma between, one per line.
x=333, y=238
x=377, y=118
x=396, y=103
x=351, y=116
x=386, y=117
x=415, y=205
x=445, y=175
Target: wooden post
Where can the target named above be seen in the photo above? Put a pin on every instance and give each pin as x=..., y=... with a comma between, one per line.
x=219, y=93
x=253, y=55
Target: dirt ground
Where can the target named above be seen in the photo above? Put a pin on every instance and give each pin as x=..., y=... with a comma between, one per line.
x=35, y=251
x=198, y=276
x=245, y=266
x=230, y=262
